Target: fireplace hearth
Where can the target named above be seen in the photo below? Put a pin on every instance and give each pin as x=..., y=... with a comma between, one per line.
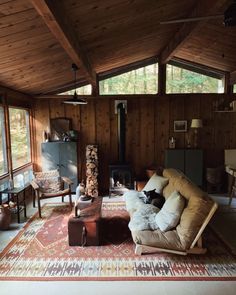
x=120, y=179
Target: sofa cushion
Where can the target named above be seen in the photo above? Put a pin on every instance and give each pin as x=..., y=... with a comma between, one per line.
x=157, y=238
x=170, y=213
x=156, y=182
x=198, y=205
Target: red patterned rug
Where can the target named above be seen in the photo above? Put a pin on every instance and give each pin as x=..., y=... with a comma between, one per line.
x=41, y=252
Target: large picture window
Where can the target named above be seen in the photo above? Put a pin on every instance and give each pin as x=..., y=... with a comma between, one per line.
x=140, y=81
x=3, y=151
x=20, y=137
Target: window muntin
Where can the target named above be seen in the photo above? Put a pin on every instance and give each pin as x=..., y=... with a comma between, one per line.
x=3, y=150
x=140, y=81
x=20, y=137
x=179, y=80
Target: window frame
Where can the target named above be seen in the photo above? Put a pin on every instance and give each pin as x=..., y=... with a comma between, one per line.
x=199, y=69
x=4, y=178
x=126, y=69
x=30, y=136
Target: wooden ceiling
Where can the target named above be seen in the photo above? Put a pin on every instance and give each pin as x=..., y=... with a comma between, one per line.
x=40, y=39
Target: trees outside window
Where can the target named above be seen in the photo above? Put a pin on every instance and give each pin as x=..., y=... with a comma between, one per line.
x=179, y=80
x=140, y=81
x=83, y=90
x=20, y=137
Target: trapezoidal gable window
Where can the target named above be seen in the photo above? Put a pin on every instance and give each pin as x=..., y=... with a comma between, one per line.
x=83, y=90
x=180, y=80
x=140, y=81
x=20, y=137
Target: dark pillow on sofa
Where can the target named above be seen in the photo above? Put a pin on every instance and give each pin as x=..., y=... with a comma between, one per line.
x=154, y=198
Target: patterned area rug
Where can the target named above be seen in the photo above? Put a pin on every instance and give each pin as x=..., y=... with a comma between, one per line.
x=41, y=252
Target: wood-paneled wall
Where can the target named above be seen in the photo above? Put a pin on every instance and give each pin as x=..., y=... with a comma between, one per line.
x=149, y=125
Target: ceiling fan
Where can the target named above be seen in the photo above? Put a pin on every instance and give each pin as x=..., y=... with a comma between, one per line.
x=228, y=18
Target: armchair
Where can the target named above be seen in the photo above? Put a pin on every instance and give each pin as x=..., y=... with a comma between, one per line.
x=49, y=185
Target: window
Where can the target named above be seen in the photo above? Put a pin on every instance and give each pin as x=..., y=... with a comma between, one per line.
x=3, y=151
x=140, y=81
x=23, y=177
x=179, y=80
x=234, y=89
x=84, y=90
x=20, y=137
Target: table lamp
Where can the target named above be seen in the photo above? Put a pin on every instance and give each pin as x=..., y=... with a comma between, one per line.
x=196, y=124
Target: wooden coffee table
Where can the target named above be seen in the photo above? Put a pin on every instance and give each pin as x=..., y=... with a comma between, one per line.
x=83, y=230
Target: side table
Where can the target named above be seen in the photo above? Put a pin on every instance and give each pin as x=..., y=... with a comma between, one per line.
x=16, y=194
x=83, y=230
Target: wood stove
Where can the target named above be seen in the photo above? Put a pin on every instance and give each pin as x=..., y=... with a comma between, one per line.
x=121, y=178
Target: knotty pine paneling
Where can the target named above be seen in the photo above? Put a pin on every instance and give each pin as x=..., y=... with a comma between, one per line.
x=41, y=124
x=162, y=124
x=149, y=124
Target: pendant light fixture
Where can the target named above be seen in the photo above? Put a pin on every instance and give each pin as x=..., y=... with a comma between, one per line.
x=75, y=100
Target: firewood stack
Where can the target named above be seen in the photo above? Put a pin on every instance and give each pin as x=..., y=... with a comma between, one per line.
x=92, y=170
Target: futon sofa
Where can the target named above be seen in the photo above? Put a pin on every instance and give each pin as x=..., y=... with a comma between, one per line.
x=177, y=226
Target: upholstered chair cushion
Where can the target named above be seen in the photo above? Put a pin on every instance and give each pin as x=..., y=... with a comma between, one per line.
x=49, y=182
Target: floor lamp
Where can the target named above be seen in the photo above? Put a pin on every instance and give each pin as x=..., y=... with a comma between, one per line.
x=196, y=124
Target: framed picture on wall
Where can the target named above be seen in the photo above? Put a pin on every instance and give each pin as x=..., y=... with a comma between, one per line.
x=180, y=126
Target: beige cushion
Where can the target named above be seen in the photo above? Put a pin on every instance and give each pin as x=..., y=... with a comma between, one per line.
x=198, y=205
x=156, y=182
x=157, y=238
x=170, y=213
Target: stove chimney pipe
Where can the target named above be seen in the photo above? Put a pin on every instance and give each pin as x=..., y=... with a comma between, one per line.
x=121, y=132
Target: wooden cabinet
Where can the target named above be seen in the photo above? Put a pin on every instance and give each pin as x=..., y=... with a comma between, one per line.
x=62, y=156
x=189, y=161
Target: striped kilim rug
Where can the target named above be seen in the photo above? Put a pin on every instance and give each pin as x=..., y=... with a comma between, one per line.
x=41, y=252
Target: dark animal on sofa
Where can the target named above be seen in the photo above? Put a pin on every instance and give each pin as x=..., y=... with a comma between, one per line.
x=154, y=198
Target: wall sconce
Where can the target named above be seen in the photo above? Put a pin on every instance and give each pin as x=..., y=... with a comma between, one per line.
x=196, y=124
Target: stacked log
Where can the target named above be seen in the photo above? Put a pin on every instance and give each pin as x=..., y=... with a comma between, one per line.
x=92, y=170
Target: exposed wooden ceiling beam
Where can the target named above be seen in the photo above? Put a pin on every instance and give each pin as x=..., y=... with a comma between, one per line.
x=58, y=22
x=202, y=8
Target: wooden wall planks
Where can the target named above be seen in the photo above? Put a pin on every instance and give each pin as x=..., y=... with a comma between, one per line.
x=149, y=124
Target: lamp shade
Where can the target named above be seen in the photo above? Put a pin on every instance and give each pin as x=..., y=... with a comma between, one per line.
x=75, y=100
x=196, y=123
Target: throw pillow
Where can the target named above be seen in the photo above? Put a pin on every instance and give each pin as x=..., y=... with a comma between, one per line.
x=170, y=213
x=156, y=182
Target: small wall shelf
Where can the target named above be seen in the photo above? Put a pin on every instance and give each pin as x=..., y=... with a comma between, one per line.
x=225, y=111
